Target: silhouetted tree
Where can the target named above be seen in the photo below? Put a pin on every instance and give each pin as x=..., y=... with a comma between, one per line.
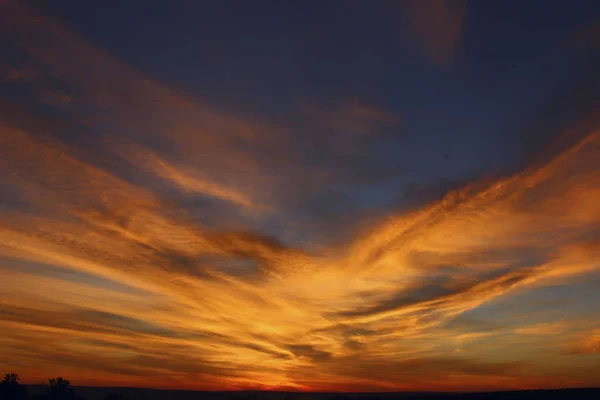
x=11, y=379
x=11, y=389
x=60, y=389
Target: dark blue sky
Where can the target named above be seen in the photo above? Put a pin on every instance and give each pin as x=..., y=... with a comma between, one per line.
x=511, y=59
x=478, y=88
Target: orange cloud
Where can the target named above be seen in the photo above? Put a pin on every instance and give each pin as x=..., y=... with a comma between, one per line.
x=107, y=279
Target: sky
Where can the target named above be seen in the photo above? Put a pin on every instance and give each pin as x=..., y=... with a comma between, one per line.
x=317, y=196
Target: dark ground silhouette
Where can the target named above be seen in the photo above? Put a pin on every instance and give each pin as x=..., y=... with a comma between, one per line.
x=61, y=389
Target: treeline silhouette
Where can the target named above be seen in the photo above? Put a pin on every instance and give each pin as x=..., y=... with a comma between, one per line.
x=57, y=389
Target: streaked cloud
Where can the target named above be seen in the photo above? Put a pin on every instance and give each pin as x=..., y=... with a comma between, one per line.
x=158, y=244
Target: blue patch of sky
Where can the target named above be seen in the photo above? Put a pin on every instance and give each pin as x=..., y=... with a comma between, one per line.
x=61, y=273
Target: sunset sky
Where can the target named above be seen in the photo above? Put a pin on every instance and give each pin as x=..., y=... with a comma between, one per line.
x=301, y=195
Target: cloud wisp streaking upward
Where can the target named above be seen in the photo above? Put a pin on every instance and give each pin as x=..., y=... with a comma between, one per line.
x=145, y=235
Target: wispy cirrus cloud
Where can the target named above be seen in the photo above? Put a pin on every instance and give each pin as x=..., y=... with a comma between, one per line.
x=152, y=239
